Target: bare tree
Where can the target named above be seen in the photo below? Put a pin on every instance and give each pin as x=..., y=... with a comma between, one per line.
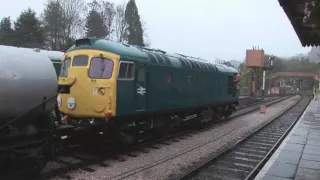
x=146, y=38
x=119, y=22
x=108, y=14
x=73, y=13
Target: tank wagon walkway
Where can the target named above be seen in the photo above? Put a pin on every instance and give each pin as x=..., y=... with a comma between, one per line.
x=298, y=157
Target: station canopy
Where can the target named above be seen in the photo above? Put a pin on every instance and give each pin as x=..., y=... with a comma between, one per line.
x=303, y=16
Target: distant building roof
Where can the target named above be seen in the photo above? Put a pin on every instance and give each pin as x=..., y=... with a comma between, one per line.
x=295, y=12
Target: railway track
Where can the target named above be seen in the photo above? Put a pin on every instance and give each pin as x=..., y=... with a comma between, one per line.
x=244, y=159
x=98, y=154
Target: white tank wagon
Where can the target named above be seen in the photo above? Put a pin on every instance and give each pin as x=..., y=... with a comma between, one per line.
x=26, y=78
x=28, y=89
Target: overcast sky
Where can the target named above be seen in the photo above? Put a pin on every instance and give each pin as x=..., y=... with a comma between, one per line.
x=206, y=28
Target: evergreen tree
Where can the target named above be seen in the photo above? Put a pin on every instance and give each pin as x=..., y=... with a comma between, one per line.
x=6, y=32
x=28, y=30
x=133, y=31
x=95, y=25
x=52, y=21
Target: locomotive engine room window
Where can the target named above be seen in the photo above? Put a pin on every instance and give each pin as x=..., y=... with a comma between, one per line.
x=141, y=74
x=100, y=68
x=126, y=71
x=64, y=67
x=81, y=60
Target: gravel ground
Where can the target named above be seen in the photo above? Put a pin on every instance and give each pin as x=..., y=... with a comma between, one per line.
x=171, y=159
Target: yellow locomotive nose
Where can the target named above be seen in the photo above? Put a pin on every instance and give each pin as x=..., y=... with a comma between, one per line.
x=87, y=84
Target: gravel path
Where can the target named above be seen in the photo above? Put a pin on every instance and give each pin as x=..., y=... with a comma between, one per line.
x=170, y=159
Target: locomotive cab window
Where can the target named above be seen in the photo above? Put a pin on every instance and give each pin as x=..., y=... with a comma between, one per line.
x=64, y=67
x=100, y=68
x=81, y=60
x=126, y=71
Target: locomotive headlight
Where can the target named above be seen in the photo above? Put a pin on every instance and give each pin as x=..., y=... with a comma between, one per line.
x=102, y=91
x=71, y=103
x=59, y=100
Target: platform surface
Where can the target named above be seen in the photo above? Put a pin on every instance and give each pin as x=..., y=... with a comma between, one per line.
x=298, y=157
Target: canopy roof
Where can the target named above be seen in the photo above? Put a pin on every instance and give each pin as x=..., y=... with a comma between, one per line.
x=294, y=9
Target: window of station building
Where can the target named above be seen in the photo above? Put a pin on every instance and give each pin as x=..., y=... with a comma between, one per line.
x=126, y=70
x=81, y=60
x=65, y=67
x=100, y=68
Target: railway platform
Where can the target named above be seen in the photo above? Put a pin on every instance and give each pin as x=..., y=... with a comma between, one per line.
x=298, y=156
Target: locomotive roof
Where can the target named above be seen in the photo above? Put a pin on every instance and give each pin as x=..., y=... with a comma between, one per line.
x=148, y=55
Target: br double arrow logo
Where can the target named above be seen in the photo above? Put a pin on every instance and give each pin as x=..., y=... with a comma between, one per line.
x=141, y=90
